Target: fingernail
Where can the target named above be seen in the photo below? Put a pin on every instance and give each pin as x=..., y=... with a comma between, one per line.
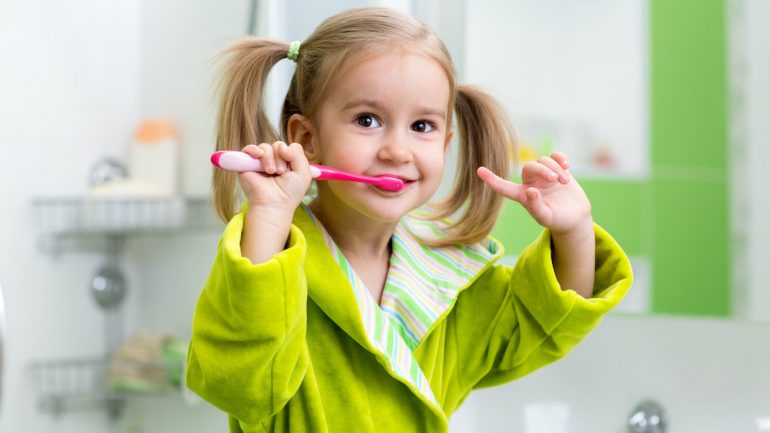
x=564, y=178
x=281, y=167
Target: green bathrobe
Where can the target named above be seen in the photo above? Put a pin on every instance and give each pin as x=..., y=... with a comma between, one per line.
x=296, y=344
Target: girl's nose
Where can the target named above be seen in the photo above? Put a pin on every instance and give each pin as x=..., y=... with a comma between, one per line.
x=396, y=150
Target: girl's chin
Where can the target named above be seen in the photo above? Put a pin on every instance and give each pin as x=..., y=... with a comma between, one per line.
x=379, y=205
x=385, y=212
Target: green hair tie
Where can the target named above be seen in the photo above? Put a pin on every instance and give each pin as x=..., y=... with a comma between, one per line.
x=293, y=53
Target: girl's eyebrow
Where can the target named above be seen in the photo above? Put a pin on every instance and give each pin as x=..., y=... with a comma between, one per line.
x=363, y=103
x=380, y=105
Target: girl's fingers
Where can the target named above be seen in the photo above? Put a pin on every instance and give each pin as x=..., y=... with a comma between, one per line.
x=268, y=158
x=278, y=158
x=280, y=162
x=555, y=167
x=561, y=158
x=501, y=186
x=253, y=150
x=271, y=156
x=294, y=155
x=532, y=170
x=537, y=207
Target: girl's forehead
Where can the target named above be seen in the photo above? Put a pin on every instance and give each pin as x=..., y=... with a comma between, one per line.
x=392, y=71
x=385, y=53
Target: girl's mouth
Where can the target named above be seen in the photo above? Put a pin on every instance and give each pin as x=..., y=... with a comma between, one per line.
x=407, y=184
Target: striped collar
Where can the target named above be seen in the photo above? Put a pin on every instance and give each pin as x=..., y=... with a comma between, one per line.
x=421, y=286
x=423, y=282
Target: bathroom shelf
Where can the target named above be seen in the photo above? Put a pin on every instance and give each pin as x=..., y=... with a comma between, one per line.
x=83, y=384
x=122, y=215
x=103, y=225
x=75, y=219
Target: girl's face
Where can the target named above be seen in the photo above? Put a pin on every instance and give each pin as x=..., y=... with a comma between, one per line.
x=386, y=114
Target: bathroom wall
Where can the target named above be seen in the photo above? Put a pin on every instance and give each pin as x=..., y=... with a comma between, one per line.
x=710, y=375
x=69, y=95
x=179, y=41
x=757, y=15
x=749, y=43
x=77, y=77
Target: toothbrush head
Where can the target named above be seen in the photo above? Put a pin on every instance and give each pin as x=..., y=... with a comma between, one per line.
x=389, y=183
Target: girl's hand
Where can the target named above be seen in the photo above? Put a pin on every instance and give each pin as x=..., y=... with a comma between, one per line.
x=285, y=180
x=548, y=193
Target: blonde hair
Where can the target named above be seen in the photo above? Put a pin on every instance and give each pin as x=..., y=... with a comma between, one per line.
x=485, y=135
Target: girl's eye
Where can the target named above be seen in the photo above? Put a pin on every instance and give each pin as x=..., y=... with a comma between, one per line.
x=422, y=126
x=367, y=121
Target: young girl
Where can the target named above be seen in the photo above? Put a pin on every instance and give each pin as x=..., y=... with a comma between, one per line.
x=352, y=313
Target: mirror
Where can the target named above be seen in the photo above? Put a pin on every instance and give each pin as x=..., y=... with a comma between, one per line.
x=660, y=107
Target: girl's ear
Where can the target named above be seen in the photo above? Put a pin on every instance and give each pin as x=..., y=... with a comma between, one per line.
x=300, y=130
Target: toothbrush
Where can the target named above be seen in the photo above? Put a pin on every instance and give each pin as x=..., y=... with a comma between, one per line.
x=234, y=160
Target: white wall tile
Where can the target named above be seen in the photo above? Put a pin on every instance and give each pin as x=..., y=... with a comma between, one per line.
x=709, y=375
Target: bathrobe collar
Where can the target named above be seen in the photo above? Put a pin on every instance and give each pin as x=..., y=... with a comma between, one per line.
x=421, y=288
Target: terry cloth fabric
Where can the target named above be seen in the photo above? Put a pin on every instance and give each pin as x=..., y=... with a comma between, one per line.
x=422, y=284
x=286, y=345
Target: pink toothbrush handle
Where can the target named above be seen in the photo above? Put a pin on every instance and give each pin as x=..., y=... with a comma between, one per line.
x=239, y=161
x=328, y=173
x=234, y=160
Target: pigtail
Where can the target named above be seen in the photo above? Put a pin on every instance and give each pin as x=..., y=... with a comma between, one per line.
x=486, y=139
x=241, y=119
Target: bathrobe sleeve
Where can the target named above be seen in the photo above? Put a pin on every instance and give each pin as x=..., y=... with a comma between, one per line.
x=248, y=354
x=531, y=320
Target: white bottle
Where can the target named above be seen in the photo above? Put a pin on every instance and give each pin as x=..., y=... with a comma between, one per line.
x=153, y=158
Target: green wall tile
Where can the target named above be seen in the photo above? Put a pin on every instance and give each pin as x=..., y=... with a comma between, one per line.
x=616, y=206
x=688, y=82
x=515, y=228
x=687, y=196
x=691, y=248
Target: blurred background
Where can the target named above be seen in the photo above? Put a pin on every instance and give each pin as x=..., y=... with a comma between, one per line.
x=106, y=127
